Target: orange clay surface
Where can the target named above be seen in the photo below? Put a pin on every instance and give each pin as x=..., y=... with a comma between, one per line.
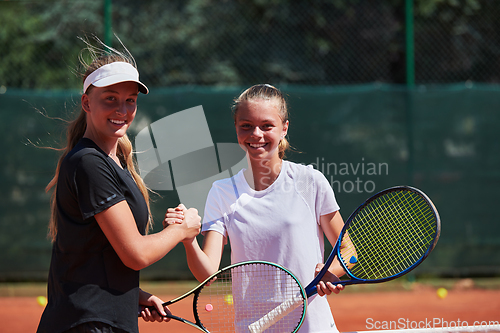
x=358, y=309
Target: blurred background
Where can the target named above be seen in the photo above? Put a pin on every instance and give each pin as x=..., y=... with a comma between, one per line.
x=381, y=93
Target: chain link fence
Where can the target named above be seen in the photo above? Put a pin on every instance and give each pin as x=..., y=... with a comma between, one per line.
x=341, y=62
x=324, y=42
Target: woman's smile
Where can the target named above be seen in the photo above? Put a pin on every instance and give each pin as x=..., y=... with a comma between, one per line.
x=259, y=128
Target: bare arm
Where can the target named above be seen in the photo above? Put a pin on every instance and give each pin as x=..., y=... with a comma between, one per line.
x=202, y=262
x=332, y=225
x=135, y=250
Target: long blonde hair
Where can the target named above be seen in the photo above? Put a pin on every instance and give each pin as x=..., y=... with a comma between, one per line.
x=266, y=92
x=76, y=130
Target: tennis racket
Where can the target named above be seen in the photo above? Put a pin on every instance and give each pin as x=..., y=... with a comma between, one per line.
x=238, y=295
x=390, y=234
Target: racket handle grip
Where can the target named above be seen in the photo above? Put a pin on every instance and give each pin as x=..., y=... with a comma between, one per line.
x=275, y=315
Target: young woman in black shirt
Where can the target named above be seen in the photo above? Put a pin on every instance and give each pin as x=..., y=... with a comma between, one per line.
x=100, y=212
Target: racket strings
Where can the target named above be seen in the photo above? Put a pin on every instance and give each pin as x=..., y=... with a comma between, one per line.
x=408, y=227
x=402, y=232
x=399, y=231
x=389, y=234
x=242, y=295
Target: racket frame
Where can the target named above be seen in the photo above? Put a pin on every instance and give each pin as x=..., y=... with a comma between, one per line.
x=311, y=287
x=197, y=290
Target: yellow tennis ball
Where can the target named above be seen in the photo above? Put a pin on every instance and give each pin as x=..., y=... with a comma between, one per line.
x=228, y=299
x=41, y=300
x=442, y=292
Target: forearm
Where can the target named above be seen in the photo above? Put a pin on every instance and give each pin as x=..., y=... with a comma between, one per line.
x=144, y=297
x=336, y=268
x=200, y=264
x=146, y=250
x=332, y=225
x=135, y=250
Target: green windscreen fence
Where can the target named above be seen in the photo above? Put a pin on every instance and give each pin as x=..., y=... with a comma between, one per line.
x=364, y=138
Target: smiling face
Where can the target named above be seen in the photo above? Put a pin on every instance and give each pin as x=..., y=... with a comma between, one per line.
x=110, y=110
x=260, y=128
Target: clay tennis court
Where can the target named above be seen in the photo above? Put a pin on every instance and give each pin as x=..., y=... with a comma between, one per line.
x=358, y=309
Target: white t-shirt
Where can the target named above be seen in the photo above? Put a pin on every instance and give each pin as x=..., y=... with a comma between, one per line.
x=279, y=224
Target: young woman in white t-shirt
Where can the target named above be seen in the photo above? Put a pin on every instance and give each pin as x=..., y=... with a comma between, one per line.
x=275, y=210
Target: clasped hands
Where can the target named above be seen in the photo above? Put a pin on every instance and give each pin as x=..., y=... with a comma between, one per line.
x=187, y=218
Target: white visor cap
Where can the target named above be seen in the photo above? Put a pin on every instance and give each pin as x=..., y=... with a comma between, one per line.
x=113, y=73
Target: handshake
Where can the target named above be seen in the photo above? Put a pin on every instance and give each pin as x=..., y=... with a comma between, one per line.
x=186, y=219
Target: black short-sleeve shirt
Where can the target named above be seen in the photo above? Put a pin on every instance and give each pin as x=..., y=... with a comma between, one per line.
x=87, y=279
